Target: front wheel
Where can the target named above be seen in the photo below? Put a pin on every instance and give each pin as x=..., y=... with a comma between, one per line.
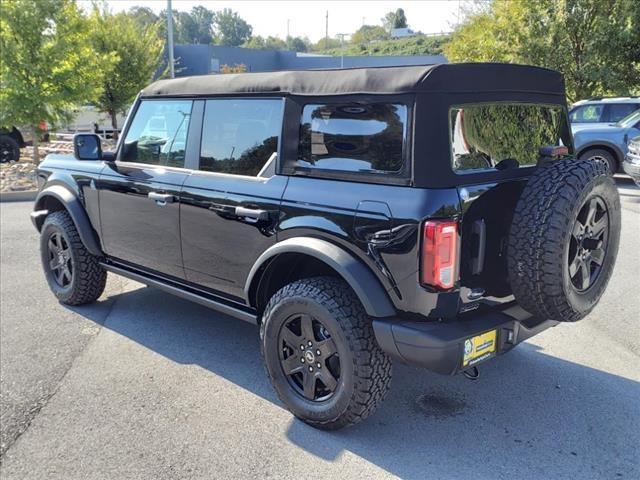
x=9, y=149
x=600, y=155
x=73, y=274
x=321, y=354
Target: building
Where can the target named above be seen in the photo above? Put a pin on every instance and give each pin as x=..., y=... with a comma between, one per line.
x=206, y=59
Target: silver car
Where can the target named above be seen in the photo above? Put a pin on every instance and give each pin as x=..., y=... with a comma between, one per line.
x=631, y=164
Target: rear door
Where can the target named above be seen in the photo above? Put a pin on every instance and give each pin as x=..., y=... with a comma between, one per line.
x=230, y=204
x=140, y=191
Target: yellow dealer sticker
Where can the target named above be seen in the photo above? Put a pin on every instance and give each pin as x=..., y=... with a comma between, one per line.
x=479, y=348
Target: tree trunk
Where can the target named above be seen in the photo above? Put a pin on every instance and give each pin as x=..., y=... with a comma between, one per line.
x=114, y=124
x=36, y=141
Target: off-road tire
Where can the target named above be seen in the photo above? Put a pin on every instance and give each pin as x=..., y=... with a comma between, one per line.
x=9, y=149
x=88, y=278
x=601, y=154
x=541, y=232
x=365, y=370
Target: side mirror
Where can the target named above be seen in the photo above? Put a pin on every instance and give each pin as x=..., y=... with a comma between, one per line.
x=87, y=146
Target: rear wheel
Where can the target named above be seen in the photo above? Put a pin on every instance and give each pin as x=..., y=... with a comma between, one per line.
x=74, y=275
x=601, y=155
x=321, y=354
x=9, y=149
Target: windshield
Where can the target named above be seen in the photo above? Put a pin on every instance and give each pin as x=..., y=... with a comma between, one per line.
x=629, y=120
x=496, y=136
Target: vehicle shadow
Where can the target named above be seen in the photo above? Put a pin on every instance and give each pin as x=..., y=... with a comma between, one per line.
x=531, y=415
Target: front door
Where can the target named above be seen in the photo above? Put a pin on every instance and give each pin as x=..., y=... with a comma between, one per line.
x=230, y=205
x=140, y=191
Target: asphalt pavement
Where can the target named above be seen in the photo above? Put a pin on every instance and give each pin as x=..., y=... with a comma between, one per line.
x=143, y=385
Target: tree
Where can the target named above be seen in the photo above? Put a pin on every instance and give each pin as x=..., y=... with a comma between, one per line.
x=594, y=43
x=203, y=22
x=395, y=19
x=144, y=16
x=47, y=64
x=135, y=55
x=297, y=44
x=230, y=28
x=369, y=33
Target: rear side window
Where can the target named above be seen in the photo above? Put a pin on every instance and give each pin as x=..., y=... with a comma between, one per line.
x=588, y=113
x=158, y=133
x=617, y=111
x=353, y=137
x=498, y=136
x=240, y=136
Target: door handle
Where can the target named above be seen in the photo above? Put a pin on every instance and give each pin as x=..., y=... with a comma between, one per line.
x=252, y=213
x=161, y=198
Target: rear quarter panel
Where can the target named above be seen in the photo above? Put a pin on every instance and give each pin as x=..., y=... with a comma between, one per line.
x=379, y=224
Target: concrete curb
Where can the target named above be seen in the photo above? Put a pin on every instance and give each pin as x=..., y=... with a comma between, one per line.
x=24, y=196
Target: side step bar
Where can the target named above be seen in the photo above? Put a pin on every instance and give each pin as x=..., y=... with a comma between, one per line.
x=201, y=298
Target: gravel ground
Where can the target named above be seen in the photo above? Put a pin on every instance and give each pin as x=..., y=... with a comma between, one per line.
x=144, y=385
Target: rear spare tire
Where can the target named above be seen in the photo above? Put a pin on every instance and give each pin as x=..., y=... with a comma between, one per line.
x=564, y=239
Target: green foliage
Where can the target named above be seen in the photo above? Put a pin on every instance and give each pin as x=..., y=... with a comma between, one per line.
x=325, y=44
x=416, y=45
x=47, y=64
x=135, y=54
x=395, y=19
x=512, y=131
x=230, y=28
x=296, y=44
x=369, y=33
x=594, y=43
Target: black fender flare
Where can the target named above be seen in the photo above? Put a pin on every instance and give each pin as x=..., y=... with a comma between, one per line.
x=76, y=211
x=360, y=278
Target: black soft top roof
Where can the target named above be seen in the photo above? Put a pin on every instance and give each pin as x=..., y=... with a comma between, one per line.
x=444, y=78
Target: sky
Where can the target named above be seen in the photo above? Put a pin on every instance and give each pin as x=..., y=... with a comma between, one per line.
x=307, y=17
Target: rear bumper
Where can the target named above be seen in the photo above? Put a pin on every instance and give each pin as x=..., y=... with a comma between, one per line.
x=439, y=346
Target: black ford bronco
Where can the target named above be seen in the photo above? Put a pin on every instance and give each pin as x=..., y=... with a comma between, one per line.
x=428, y=214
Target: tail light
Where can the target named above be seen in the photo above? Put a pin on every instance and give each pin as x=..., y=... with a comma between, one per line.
x=439, y=256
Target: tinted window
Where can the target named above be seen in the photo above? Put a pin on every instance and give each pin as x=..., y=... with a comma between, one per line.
x=483, y=136
x=616, y=112
x=587, y=113
x=240, y=135
x=353, y=137
x=158, y=133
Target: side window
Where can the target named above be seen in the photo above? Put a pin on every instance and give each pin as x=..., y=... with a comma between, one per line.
x=587, y=114
x=617, y=111
x=158, y=133
x=353, y=137
x=240, y=136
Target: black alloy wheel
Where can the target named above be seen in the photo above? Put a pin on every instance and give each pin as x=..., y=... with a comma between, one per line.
x=60, y=259
x=589, y=239
x=309, y=357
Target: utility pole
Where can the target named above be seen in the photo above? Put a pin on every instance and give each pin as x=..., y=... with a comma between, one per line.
x=342, y=35
x=170, y=37
x=288, y=28
x=326, y=31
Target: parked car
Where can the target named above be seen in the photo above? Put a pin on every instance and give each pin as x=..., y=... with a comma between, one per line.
x=608, y=143
x=433, y=215
x=631, y=164
x=601, y=111
x=87, y=118
x=12, y=139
